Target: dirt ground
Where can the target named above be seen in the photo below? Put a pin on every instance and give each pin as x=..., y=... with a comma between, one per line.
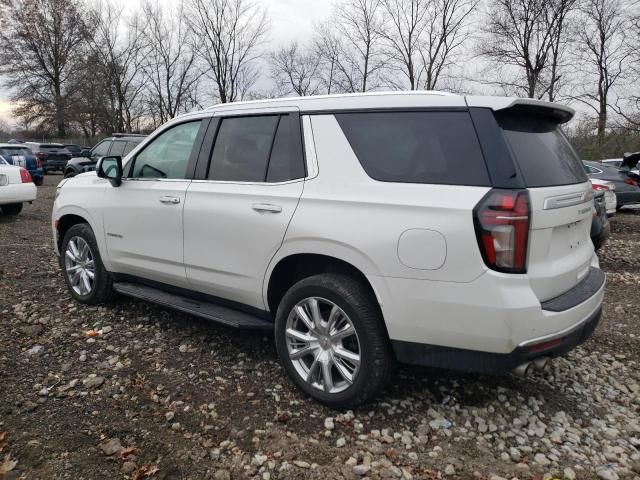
x=162, y=395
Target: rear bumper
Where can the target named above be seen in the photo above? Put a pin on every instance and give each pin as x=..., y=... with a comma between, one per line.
x=17, y=193
x=495, y=363
x=627, y=198
x=54, y=164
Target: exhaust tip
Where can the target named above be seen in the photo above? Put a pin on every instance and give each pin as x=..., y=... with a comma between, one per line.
x=542, y=364
x=523, y=370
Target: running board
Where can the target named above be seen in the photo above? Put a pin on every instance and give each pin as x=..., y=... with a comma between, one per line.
x=210, y=311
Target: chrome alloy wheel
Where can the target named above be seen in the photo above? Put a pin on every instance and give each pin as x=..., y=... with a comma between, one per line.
x=79, y=265
x=323, y=344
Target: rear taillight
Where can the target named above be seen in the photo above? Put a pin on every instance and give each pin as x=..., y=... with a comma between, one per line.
x=25, y=176
x=502, y=227
x=631, y=181
x=599, y=187
x=41, y=155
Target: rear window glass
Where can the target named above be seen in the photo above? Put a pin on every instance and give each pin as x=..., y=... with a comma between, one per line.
x=544, y=155
x=416, y=147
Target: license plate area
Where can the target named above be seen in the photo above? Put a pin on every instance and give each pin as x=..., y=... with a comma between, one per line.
x=575, y=235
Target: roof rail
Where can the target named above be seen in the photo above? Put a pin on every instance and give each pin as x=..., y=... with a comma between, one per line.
x=128, y=135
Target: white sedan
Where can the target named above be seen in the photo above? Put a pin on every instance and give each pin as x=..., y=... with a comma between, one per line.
x=16, y=187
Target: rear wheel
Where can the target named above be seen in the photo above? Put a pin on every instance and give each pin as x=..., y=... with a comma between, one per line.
x=12, y=208
x=87, y=279
x=331, y=340
x=38, y=181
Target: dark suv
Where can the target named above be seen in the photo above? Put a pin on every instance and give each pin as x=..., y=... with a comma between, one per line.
x=53, y=156
x=119, y=144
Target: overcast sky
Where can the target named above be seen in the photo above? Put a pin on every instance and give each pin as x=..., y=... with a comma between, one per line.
x=290, y=20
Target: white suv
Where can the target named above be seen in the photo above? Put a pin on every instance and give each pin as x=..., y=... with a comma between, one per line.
x=421, y=227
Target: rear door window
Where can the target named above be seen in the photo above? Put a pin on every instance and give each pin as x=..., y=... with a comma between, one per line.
x=118, y=148
x=101, y=149
x=543, y=153
x=439, y=147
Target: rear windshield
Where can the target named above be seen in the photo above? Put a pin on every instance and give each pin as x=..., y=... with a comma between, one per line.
x=416, y=147
x=10, y=151
x=544, y=155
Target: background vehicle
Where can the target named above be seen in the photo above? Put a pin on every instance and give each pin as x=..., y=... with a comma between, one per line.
x=16, y=187
x=19, y=155
x=627, y=189
x=52, y=155
x=609, y=190
x=119, y=144
x=600, y=227
x=74, y=149
x=617, y=162
x=419, y=227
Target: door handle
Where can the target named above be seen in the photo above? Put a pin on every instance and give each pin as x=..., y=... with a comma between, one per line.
x=266, y=207
x=169, y=200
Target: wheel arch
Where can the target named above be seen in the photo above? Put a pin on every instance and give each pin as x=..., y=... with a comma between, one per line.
x=290, y=269
x=68, y=216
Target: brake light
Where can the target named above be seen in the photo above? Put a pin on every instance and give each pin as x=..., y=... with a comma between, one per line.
x=599, y=187
x=41, y=155
x=630, y=181
x=25, y=176
x=501, y=221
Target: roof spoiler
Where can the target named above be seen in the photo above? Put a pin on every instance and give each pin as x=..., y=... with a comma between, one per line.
x=558, y=113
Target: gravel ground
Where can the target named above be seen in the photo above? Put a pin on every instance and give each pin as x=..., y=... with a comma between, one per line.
x=134, y=391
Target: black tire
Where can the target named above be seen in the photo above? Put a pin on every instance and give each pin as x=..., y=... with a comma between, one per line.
x=38, y=181
x=12, y=208
x=69, y=174
x=102, y=290
x=377, y=362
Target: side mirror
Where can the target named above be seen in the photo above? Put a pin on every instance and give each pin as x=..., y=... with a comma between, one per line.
x=85, y=152
x=111, y=169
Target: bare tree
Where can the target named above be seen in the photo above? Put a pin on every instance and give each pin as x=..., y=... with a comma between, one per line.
x=41, y=42
x=603, y=50
x=561, y=11
x=169, y=67
x=358, y=22
x=229, y=36
x=117, y=44
x=327, y=46
x=295, y=71
x=425, y=37
x=404, y=23
x=523, y=37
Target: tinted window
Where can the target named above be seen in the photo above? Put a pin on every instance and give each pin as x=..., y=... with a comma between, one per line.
x=416, y=147
x=242, y=148
x=287, y=160
x=101, y=149
x=168, y=154
x=130, y=146
x=118, y=148
x=11, y=151
x=544, y=155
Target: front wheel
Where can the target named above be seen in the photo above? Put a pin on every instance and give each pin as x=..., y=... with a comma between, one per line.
x=331, y=339
x=12, y=208
x=69, y=174
x=87, y=279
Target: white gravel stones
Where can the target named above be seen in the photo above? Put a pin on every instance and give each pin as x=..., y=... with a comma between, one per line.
x=569, y=474
x=361, y=469
x=449, y=470
x=110, y=446
x=341, y=442
x=329, y=423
